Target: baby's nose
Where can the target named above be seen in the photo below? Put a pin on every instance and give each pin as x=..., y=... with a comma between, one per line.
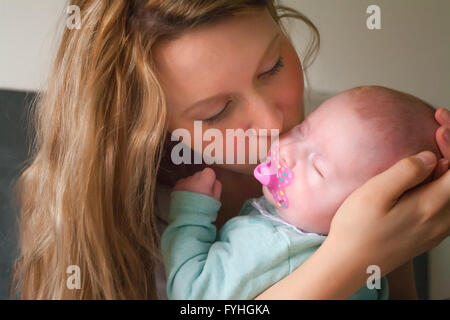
x=287, y=157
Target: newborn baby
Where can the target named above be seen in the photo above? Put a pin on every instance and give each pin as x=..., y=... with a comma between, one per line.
x=308, y=174
x=350, y=138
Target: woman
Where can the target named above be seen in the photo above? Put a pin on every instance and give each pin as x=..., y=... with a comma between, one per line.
x=137, y=70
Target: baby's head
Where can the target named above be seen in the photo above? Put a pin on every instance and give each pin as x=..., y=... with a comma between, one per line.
x=348, y=139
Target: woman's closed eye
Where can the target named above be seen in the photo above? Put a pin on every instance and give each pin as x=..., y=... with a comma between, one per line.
x=275, y=69
x=222, y=113
x=219, y=115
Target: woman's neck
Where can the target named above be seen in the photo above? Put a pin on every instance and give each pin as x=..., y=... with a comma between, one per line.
x=236, y=189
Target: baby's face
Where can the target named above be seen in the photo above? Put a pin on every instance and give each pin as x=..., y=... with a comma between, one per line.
x=331, y=154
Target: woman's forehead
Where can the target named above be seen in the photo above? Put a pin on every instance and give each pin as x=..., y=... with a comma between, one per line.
x=211, y=59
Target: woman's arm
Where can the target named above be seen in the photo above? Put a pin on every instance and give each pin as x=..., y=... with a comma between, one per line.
x=332, y=272
x=395, y=228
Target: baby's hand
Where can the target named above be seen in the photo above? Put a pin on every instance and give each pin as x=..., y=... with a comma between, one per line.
x=204, y=182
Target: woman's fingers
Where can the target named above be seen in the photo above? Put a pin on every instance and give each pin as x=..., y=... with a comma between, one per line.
x=441, y=168
x=402, y=176
x=434, y=196
x=442, y=116
x=443, y=140
x=431, y=205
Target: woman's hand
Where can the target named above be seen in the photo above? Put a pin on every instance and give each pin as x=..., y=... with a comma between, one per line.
x=387, y=226
x=442, y=116
x=381, y=223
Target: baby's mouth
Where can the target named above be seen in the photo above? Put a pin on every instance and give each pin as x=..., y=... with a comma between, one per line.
x=276, y=177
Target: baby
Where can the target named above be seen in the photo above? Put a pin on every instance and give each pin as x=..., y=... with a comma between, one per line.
x=307, y=175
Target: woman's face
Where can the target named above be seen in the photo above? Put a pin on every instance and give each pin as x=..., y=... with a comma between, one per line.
x=239, y=73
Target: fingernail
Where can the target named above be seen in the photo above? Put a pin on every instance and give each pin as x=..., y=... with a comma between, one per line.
x=447, y=115
x=447, y=135
x=427, y=158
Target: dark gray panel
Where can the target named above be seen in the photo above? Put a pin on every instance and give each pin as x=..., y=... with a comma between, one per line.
x=13, y=154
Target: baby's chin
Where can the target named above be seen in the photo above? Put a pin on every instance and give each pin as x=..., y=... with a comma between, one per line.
x=317, y=225
x=269, y=197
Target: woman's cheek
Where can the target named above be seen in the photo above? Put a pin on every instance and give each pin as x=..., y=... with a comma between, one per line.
x=218, y=144
x=289, y=91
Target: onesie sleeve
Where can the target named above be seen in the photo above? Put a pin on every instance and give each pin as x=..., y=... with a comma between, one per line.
x=247, y=256
x=187, y=240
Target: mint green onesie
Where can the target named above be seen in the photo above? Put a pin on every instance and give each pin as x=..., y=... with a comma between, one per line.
x=251, y=252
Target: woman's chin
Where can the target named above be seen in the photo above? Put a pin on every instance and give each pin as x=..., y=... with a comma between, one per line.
x=246, y=169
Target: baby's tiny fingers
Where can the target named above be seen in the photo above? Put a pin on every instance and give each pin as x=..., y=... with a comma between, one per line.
x=217, y=189
x=209, y=172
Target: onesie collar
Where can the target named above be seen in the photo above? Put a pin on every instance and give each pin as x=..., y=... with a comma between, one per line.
x=268, y=210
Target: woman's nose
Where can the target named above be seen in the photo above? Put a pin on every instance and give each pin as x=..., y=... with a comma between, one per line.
x=265, y=115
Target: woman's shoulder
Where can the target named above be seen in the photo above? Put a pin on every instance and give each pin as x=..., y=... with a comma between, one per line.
x=162, y=212
x=162, y=204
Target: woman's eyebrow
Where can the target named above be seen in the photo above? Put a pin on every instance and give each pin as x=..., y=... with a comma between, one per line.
x=222, y=95
x=209, y=100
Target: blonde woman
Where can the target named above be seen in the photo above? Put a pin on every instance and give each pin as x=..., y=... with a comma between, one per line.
x=135, y=72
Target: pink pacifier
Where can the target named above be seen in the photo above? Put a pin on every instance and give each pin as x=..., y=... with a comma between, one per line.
x=275, y=176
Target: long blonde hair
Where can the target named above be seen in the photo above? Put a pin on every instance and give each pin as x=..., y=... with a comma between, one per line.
x=88, y=196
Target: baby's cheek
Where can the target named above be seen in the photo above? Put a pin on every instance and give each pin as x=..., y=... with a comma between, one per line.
x=309, y=219
x=301, y=204
x=310, y=211
x=327, y=205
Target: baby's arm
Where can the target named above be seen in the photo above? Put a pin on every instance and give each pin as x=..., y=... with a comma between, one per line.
x=248, y=257
x=186, y=243
x=187, y=240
